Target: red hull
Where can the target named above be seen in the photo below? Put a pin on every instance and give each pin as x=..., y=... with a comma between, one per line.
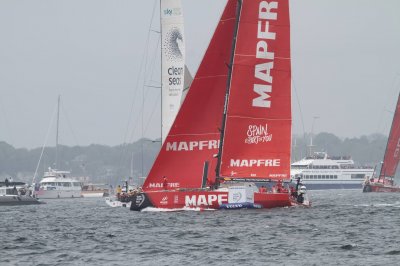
x=379, y=187
x=206, y=199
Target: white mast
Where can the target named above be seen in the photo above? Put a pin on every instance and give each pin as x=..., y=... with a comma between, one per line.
x=58, y=121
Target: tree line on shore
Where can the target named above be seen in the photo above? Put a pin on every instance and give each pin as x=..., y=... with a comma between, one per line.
x=110, y=165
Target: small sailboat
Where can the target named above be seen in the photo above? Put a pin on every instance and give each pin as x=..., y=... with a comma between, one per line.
x=236, y=119
x=385, y=181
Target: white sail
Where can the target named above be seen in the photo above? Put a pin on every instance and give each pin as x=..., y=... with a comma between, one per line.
x=173, y=61
x=187, y=83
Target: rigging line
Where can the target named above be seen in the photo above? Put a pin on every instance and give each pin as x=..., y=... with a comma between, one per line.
x=152, y=113
x=145, y=74
x=45, y=141
x=301, y=114
x=389, y=97
x=142, y=107
x=155, y=56
x=137, y=86
x=69, y=123
x=141, y=67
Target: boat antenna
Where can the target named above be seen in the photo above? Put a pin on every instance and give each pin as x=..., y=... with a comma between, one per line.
x=311, y=136
x=228, y=86
x=58, y=123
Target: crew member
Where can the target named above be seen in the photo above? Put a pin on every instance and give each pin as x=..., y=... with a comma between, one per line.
x=279, y=187
x=119, y=190
x=262, y=189
x=165, y=183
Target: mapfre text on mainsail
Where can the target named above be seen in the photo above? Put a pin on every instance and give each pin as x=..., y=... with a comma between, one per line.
x=263, y=70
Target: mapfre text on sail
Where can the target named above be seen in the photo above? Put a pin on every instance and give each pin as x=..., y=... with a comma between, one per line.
x=263, y=70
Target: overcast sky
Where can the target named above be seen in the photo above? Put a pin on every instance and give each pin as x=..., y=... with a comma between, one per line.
x=97, y=54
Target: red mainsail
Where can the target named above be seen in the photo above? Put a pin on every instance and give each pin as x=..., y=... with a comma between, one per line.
x=392, y=154
x=257, y=131
x=194, y=136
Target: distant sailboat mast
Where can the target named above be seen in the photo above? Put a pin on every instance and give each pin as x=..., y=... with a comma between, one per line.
x=58, y=121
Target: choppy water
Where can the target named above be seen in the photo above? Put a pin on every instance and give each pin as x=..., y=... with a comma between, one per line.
x=342, y=228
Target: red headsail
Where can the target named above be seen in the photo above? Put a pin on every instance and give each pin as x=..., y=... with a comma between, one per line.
x=194, y=136
x=392, y=154
x=257, y=132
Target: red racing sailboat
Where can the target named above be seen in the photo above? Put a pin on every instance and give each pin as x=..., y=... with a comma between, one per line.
x=384, y=182
x=233, y=129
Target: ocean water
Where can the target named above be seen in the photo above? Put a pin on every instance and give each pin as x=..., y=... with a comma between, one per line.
x=342, y=228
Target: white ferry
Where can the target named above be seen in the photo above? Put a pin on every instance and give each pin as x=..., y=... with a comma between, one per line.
x=321, y=171
x=55, y=184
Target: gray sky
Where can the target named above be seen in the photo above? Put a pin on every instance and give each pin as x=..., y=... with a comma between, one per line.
x=345, y=58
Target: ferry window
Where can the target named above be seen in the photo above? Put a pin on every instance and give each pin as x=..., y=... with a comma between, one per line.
x=357, y=176
x=77, y=184
x=335, y=176
x=319, y=177
x=66, y=184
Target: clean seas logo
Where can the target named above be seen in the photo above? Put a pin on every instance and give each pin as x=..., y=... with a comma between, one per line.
x=258, y=134
x=173, y=45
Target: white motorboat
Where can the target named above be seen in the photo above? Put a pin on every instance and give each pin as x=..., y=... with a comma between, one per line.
x=56, y=184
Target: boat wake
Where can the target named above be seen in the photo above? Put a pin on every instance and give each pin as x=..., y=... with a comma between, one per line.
x=195, y=209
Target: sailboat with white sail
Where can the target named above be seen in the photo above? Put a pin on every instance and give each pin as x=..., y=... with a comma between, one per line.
x=175, y=77
x=385, y=181
x=233, y=129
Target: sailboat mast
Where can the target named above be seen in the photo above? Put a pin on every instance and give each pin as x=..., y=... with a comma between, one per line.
x=58, y=121
x=161, y=76
x=228, y=86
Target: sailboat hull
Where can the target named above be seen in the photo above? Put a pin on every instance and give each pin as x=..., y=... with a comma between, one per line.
x=378, y=187
x=207, y=199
